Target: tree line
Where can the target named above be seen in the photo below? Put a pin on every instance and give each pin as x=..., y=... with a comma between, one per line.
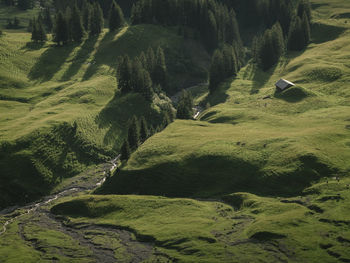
x=272, y=44
x=143, y=74
x=73, y=24
x=139, y=131
x=214, y=21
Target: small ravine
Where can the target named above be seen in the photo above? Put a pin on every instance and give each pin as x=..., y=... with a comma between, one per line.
x=89, y=181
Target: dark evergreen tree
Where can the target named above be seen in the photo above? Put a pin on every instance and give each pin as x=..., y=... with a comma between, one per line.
x=278, y=40
x=216, y=70
x=41, y=33
x=30, y=26
x=25, y=4
x=160, y=70
x=133, y=133
x=306, y=28
x=151, y=61
x=296, y=36
x=144, y=133
x=116, y=17
x=137, y=80
x=304, y=7
x=61, y=34
x=147, y=90
x=35, y=35
x=16, y=22
x=125, y=151
x=124, y=73
x=87, y=12
x=185, y=106
x=76, y=24
x=48, y=19
x=97, y=20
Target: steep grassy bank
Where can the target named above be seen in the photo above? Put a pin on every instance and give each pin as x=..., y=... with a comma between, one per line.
x=252, y=138
x=248, y=228
x=47, y=92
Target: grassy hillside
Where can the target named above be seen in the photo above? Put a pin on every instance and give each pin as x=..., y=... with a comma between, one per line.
x=254, y=139
x=248, y=228
x=47, y=90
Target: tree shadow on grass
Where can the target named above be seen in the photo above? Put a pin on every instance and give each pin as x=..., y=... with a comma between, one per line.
x=50, y=62
x=219, y=96
x=102, y=56
x=33, y=46
x=260, y=78
x=81, y=57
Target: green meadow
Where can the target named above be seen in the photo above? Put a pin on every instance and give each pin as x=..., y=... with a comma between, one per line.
x=261, y=176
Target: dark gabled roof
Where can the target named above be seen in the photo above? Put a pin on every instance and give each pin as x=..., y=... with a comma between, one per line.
x=283, y=84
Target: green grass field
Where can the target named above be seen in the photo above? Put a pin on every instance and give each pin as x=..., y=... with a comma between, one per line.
x=45, y=89
x=253, y=180
x=273, y=146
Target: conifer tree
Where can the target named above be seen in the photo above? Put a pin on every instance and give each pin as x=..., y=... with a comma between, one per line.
x=306, y=28
x=278, y=40
x=151, y=60
x=116, y=17
x=296, y=36
x=25, y=4
x=144, y=133
x=61, y=35
x=147, y=90
x=48, y=19
x=76, y=24
x=30, y=26
x=35, y=36
x=87, y=12
x=125, y=151
x=185, y=106
x=97, y=20
x=160, y=70
x=124, y=75
x=137, y=79
x=216, y=70
x=133, y=133
x=304, y=7
x=41, y=33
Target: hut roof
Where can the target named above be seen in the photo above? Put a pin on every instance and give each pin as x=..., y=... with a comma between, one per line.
x=283, y=84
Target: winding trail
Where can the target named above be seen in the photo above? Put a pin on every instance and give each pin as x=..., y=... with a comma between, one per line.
x=97, y=178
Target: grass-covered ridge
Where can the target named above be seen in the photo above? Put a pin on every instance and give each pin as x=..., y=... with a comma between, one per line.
x=248, y=228
x=45, y=89
x=252, y=138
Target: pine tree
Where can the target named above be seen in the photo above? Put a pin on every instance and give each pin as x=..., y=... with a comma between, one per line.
x=61, y=34
x=185, y=106
x=133, y=134
x=77, y=28
x=304, y=7
x=160, y=70
x=35, y=36
x=137, y=81
x=48, y=19
x=87, y=12
x=306, y=28
x=30, y=26
x=25, y=4
x=116, y=17
x=151, y=61
x=41, y=33
x=144, y=133
x=296, y=36
x=124, y=75
x=125, y=151
x=216, y=71
x=97, y=20
x=147, y=90
x=267, y=55
x=278, y=40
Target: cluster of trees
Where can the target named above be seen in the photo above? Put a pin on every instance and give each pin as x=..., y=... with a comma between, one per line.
x=269, y=47
x=72, y=24
x=13, y=24
x=225, y=63
x=21, y=4
x=143, y=74
x=139, y=131
x=38, y=30
x=185, y=106
x=214, y=21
